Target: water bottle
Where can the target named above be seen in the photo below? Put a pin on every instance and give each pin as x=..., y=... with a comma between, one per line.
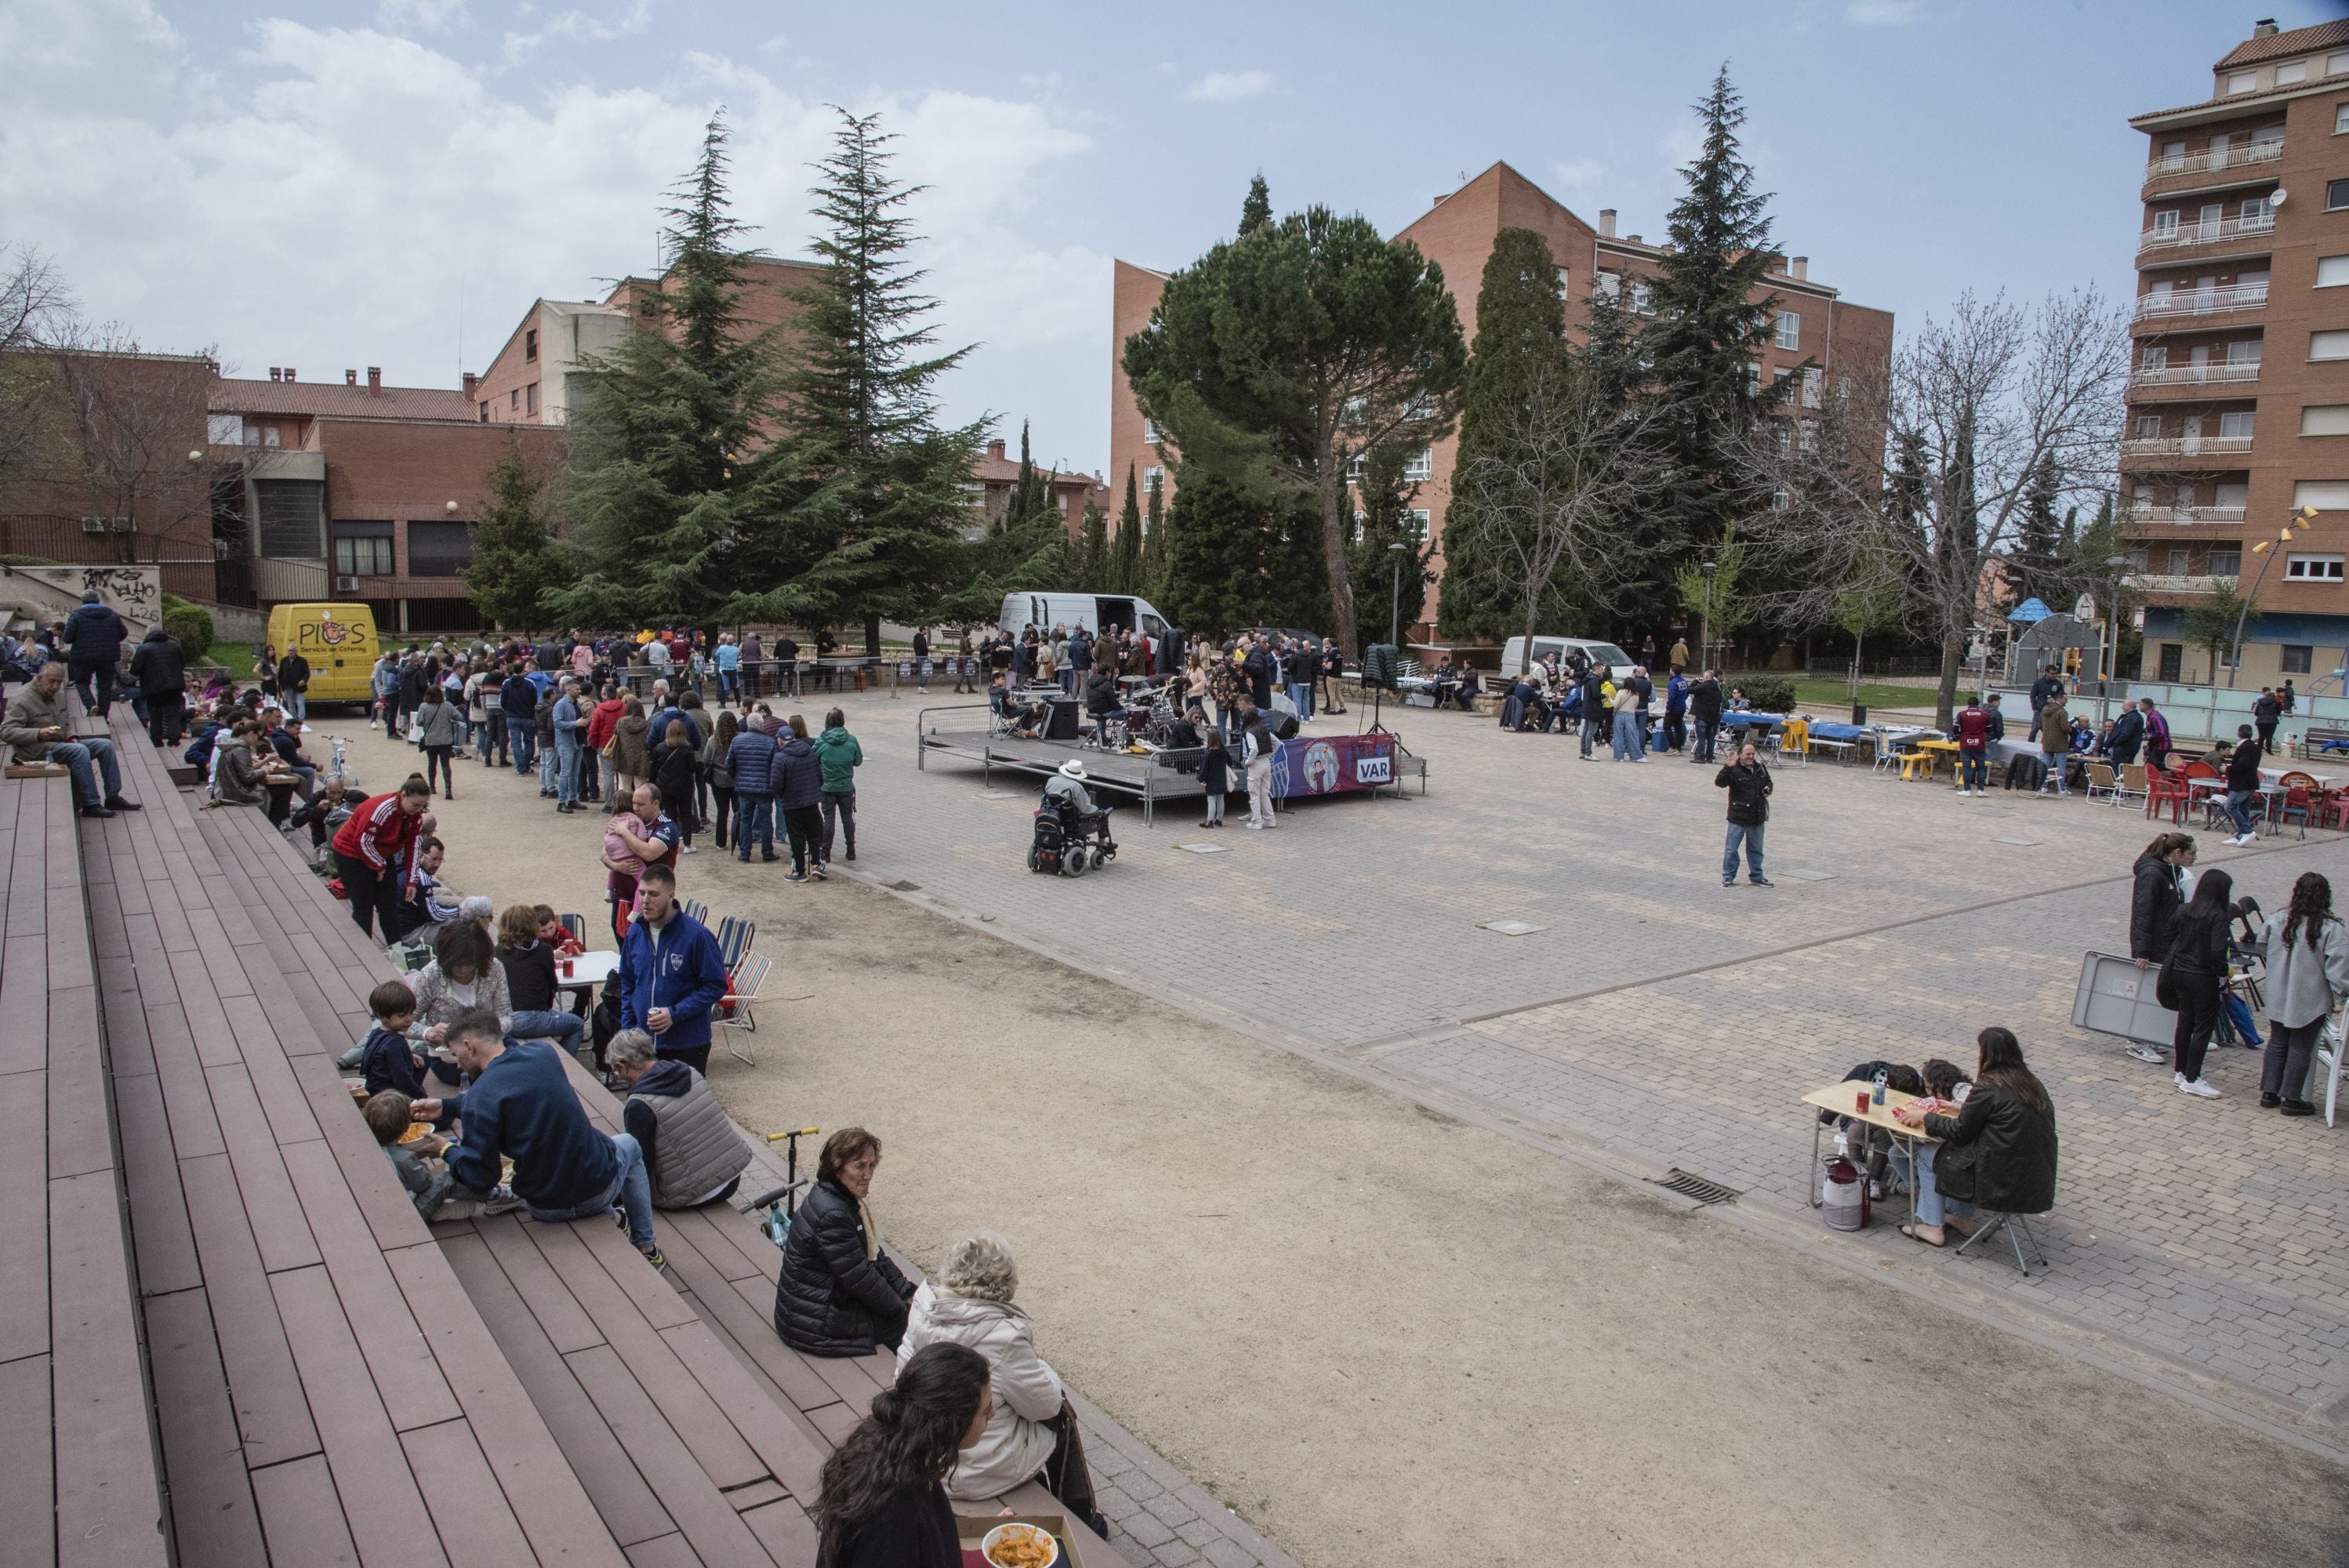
x=1879, y=1088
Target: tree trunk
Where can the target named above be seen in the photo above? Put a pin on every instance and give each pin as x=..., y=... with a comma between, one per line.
x=1333, y=553
x=1945, y=703
x=871, y=637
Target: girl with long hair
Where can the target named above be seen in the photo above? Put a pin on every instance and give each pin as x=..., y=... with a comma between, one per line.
x=882, y=1502
x=2196, y=972
x=2307, y=978
x=721, y=777
x=1996, y=1150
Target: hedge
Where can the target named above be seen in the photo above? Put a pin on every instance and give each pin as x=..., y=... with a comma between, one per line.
x=191, y=625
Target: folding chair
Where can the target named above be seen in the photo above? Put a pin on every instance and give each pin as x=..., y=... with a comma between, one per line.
x=577, y=925
x=733, y=1009
x=2102, y=782
x=2018, y=1231
x=698, y=910
x=734, y=935
x=1795, y=741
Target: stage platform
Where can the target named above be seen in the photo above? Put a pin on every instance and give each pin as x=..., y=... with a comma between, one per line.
x=1149, y=780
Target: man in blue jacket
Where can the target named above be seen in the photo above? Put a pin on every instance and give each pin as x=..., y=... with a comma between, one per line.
x=521, y=1107
x=93, y=639
x=519, y=698
x=671, y=972
x=750, y=760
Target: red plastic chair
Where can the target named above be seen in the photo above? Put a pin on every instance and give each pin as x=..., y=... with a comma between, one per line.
x=2167, y=788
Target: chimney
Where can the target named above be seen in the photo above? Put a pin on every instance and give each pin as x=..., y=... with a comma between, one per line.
x=350, y=378
x=1635, y=239
x=289, y=372
x=375, y=380
x=472, y=381
x=275, y=374
x=1799, y=269
x=995, y=451
x=1606, y=222
x=2266, y=28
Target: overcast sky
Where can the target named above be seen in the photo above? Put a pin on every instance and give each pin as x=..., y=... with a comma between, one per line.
x=331, y=187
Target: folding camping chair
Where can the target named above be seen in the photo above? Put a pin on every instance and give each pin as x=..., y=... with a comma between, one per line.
x=696, y=908
x=733, y=1009
x=734, y=936
x=577, y=925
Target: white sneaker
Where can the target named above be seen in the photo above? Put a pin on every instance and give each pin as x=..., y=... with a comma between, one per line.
x=2197, y=1087
x=2146, y=1053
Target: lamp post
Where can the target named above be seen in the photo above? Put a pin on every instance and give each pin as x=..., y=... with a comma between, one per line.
x=1704, y=617
x=2117, y=565
x=1394, y=603
x=2305, y=518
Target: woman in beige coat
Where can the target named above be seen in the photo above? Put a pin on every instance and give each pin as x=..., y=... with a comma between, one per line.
x=632, y=752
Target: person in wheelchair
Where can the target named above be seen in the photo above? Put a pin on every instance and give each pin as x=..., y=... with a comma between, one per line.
x=1080, y=818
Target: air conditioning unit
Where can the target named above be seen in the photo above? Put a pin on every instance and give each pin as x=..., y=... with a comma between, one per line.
x=347, y=584
x=93, y=525
x=121, y=525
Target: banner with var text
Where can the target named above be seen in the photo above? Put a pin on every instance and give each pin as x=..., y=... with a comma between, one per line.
x=1331, y=765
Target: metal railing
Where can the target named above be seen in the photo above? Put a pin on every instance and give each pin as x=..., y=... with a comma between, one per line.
x=2210, y=160
x=2207, y=231
x=2196, y=374
x=2203, y=301
x=2186, y=445
x=2185, y=513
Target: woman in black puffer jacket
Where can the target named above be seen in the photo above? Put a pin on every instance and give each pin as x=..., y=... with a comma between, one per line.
x=2158, y=898
x=839, y=1293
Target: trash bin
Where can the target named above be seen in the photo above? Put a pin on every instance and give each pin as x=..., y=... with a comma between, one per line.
x=1860, y=714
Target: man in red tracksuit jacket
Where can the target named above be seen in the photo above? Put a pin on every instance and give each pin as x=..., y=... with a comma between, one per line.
x=374, y=851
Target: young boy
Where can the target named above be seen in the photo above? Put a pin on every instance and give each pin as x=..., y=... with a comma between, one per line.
x=553, y=932
x=389, y=1061
x=435, y=1193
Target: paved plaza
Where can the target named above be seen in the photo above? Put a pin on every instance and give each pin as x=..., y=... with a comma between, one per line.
x=1660, y=1020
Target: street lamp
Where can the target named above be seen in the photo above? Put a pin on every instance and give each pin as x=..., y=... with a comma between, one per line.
x=2118, y=566
x=1395, y=604
x=2302, y=519
x=1704, y=617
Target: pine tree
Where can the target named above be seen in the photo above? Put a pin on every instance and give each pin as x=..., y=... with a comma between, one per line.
x=1125, y=553
x=515, y=558
x=1030, y=497
x=2036, y=567
x=874, y=497
x=665, y=497
x=1129, y=522
x=1389, y=585
x=1256, y=211
x=1092, y=567
x=1154, y=540
x=1703, y=345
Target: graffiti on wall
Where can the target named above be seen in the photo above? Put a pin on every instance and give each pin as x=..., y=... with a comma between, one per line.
x=130, y=590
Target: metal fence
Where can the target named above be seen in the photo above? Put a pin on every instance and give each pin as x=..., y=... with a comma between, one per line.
x=186, y=557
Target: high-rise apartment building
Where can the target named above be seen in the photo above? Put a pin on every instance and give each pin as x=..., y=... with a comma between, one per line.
x=2239, y=382
x=1814, y=334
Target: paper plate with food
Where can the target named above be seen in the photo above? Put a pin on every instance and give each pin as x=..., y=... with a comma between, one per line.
x=417, y=1133
x=1019, y=1546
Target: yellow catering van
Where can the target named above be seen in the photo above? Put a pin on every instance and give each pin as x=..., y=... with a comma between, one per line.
x=338, y=640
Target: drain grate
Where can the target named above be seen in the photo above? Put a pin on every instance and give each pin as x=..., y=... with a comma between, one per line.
x=903, y=886
x=1693, y=1186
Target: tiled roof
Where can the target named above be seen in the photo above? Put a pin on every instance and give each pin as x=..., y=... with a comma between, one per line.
x=1006, y=470
x=335, y=399
x=2250, y=51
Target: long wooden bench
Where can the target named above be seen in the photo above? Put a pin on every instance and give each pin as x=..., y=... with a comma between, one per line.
x=325, y=1390
x=78, y=1463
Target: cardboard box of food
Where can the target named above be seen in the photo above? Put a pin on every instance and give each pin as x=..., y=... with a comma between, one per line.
x=973, y=1530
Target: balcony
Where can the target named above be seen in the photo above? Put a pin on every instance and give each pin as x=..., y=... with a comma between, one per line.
x=2200, y=302
x=2235, y=155
x=2138, y=515
x=2196, y=374
x=2185, y=448
x=2167, y=582
x=2181, y=236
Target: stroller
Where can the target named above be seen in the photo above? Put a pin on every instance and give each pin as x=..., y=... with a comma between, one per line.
x=1069, y=841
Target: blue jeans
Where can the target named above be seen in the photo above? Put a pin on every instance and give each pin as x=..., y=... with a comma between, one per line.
x=1974, y=769
x=1706, y=728
x=2238, y=806
x=526, y=741
x=2057, y=765
x=754, y=819
x=567, y=752
x=77, y=756
x=1931, y=1207
x=1627, y=734
x=631, y=1190
x=729, y=685
x=297, y=704
x=1590, y=733
x=1750, y=835
x=545, y=767
x=563, y=1028
x=1301, y=696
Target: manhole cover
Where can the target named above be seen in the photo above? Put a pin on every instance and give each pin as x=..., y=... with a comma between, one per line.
x=1689, y=1185
x=903, y=886
x=1512, y=927
x=1201, y=849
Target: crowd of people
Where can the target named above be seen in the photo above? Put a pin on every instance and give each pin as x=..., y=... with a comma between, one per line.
x=1573, y=695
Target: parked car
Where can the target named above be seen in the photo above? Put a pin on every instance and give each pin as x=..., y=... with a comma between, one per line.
x=1513, y=655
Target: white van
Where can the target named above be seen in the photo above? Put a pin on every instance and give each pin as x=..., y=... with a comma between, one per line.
x=1090, y=611
x=1513, y=656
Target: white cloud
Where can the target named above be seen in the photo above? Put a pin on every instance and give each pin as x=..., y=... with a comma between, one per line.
x=346, y=198
x=580, y=26
x=1576, y=173
x=1222, y=86
x=424, y=15
x=1881, y=13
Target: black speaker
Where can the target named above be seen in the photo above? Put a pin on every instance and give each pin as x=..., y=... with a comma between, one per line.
x=1065, y=719
x=1378, y=666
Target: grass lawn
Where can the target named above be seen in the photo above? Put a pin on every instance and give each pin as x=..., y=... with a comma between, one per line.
x=234, y=657
x=1831, y=693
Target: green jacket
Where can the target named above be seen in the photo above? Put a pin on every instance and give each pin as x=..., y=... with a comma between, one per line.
x=837, y=750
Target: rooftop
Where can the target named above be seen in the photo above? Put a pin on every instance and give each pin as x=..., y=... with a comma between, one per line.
x=2274, y=45
x=340, y=400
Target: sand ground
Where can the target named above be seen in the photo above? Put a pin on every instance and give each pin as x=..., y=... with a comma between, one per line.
x=1386, y=1335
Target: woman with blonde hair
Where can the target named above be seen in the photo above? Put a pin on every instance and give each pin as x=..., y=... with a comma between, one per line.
x=1033, y=1432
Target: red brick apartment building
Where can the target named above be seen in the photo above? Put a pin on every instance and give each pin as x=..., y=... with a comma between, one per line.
x=1815, y=332
x=2239, y=387
x=993, y=476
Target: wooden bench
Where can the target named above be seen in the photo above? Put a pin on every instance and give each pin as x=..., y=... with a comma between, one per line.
x=80, y=1472
x=325, y=1390
x=2315, y=741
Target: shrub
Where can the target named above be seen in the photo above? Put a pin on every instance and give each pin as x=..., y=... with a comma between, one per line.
x=191, y=625
x=1768, y=693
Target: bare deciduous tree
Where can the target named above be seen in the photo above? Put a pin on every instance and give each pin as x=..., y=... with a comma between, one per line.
x=132, y=428
x=1571, y=461
x=1927, y=474
x=34, y=306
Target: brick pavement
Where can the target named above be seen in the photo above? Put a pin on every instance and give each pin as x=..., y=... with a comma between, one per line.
x=1661, y=1020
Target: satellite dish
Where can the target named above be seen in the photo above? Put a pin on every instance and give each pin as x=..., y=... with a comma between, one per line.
x=2084, y=608
x=2275, y=197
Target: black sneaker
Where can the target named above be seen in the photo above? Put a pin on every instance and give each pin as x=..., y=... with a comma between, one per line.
x=2299, y=1108
x=96, y=811
x=2269, y=1101
x=116, y=804
x=1761, y=881
x=653, y=1256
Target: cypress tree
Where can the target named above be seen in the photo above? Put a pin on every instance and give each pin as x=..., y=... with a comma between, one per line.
x=1094, y=551
x=1154, y=540
x=1256, y=211
x=1382, y=594
x=1125, y=552
x=1028, y=496
x=515, y=559
x=1129, y=522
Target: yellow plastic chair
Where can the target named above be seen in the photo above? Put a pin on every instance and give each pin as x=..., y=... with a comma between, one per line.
x=1794, y=740
x=1916, y=765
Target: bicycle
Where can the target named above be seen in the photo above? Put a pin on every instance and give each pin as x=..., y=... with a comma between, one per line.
x=782, y=1203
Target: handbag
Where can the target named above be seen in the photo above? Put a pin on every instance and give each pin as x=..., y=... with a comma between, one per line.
x=2165, y=986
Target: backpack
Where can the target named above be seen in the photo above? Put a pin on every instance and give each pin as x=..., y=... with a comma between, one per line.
x=2026, y=772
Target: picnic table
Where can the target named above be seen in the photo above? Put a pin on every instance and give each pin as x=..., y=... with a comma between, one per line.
x=585, y=971
x=1840, y=1099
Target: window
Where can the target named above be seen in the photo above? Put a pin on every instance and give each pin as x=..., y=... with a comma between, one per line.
x=253, y=435
x=1843, y=389
x=2340, y=118
x=2182, y=562
x=2244, y=351
x=2337, y=195
x=1360, y=517
x=2297, y=658
x=2165, y=223
x=2324, y=495
x=1790, y=330
x=1153, y=432
x=2292, y=71
x=291, y=511
x=1354, y=467
x=363, y=549
x=2324, y=419
x=439, y=549
x=2148, y=426
x=2332, y=272
x=2336, y=63
x=2231, y=493
x=1812, y=381
x=1421, y=465
x=1611, y=285
x=1754, y=377
x=530, y=399
x=2236, y=423
x=2173, y=656
x=514, y=398
x=1779, y=498
x=2311, y=569
x=2153, y=356
x=1643, y=297
x=1153, y=477
x=485, y=410
x=271, y=436
x=2173, y=154
x=2226, y=561
x=529, y=344
x=2255, y=211
x=2242, y=81
x=1416, y=517
x=1564, y=283
x=224, y=429
x=2328, y=346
